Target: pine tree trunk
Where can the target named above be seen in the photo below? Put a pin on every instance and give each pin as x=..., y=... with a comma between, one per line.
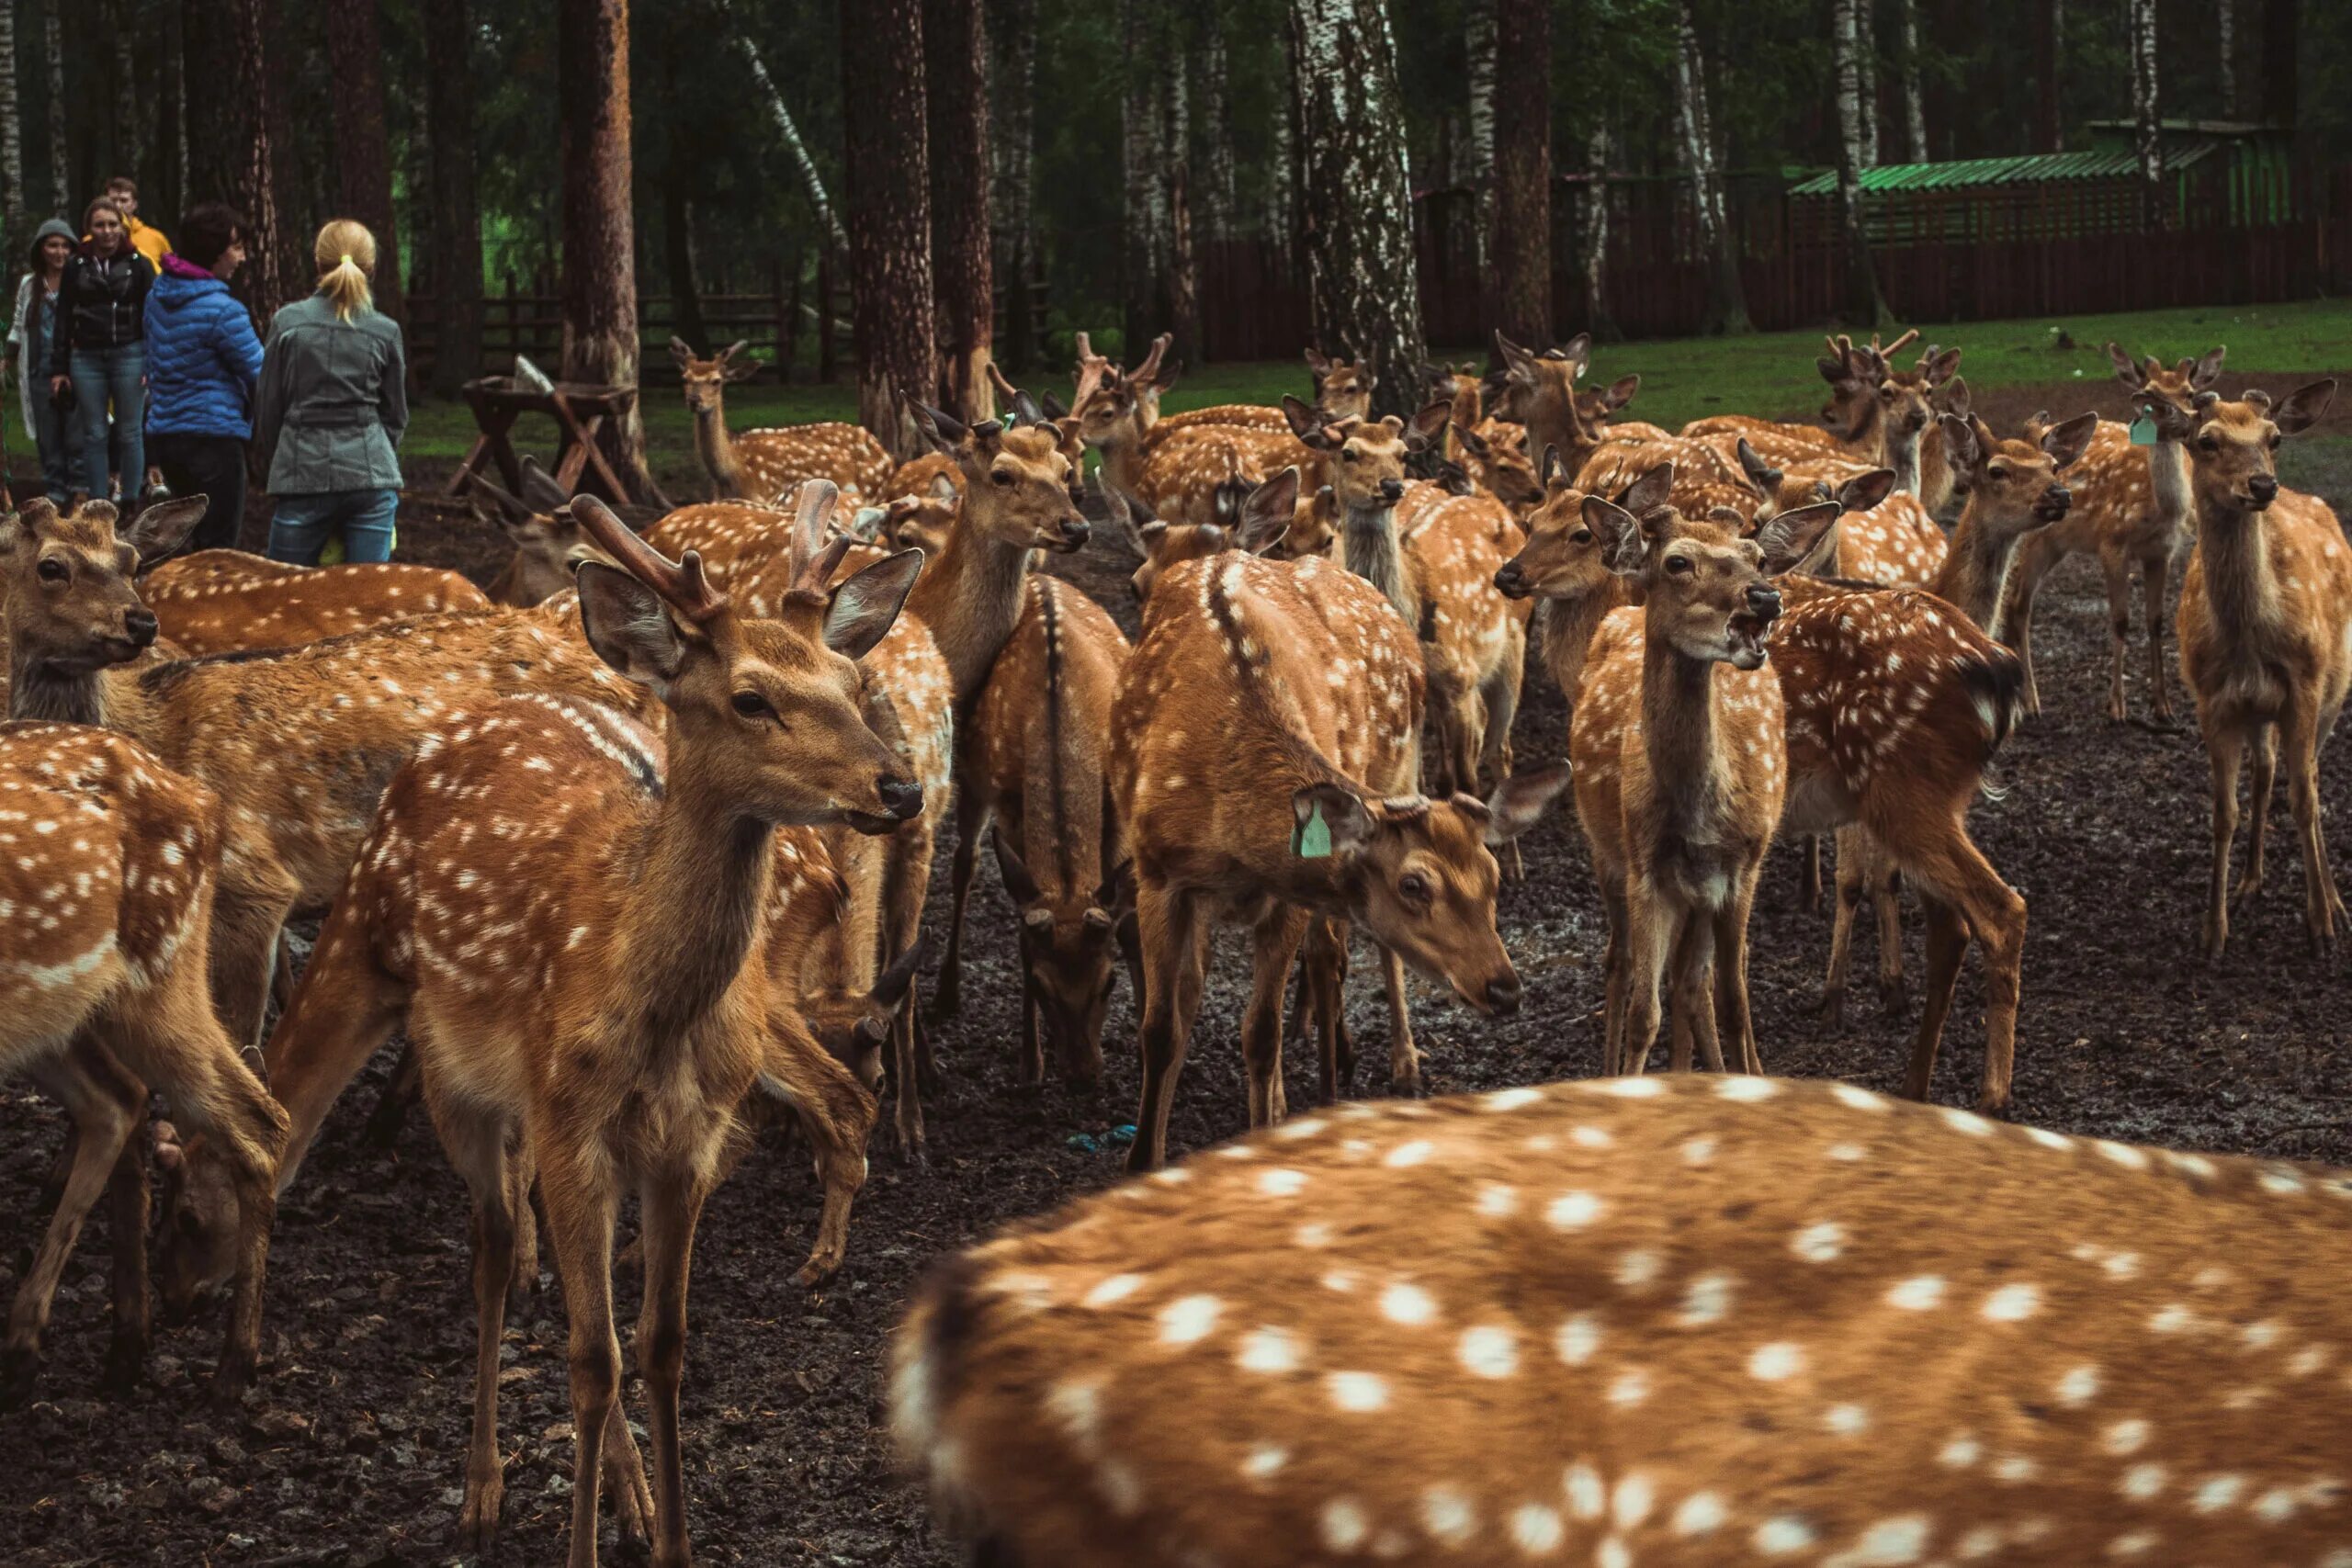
x=1864, y=305
x=2282, y=23
x=1694, y=129
x=1143, y=175
x=232, y=153
x=1014, y=22
x=1866, y=61
x=1214, y=198
x=1592, y=258
x=889, y=214
x=170, y=118
x=1914, y=103
x=61, y=181
x=2049, y=53
x=130, y=102
x=678, y=255
x=1357, y=194
x=363, y=160
x=599, y=289
x=1522, y=138
x=457, y=220
x=955, y=57
x=12, y=133
x=2147, y=133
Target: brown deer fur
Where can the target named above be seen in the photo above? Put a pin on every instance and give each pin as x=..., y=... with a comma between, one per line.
x=229, y=602
x=760, y=464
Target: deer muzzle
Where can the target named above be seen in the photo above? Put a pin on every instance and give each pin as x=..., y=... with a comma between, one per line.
x=1510, y=580
x=2263, y=488
x=2053, y=505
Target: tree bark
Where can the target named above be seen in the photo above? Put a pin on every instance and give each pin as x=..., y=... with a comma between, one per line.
x=1015, y=25
x=1142, y=171
x=2147, y=133
x=1593, y=259
x=1522, y=176
x=12, y=132
x=1282, y=157
x=1866, y=63
x=803, y=164
x=1358, y=194
x=599, y=289
x=2049, y=53
x=2281, y=22
x=678, y=255
x=130, y=102
x=1914, y=102
x=1864, y=305
x=2227, y=14
x=457, y=220
x=1478, y=47
x=61, y=181
x=889, y=214
x=1214, y=189
x=363, y=161
x=232, y=153
x=1183, y=276
x=955, y=64
x=170, y=118
x=1694, y=127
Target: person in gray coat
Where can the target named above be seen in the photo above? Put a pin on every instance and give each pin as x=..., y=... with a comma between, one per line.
x=333, y=407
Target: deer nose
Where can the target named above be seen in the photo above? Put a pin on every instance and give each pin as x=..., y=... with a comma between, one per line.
x=901, y=798
x=1502, y=995
x=140, y=625
x=1075, y=531
x=1392, y=490
x=1763, y=602
x=2264, y=488
x=1510, y=580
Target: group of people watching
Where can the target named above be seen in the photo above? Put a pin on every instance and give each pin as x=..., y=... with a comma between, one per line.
x=141, y=375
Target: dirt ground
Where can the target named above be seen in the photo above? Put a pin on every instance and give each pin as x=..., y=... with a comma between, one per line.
x=351, y=1450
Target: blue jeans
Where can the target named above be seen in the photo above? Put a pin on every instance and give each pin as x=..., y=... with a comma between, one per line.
x=61, y=448
x=98, y=375
x=305, y=523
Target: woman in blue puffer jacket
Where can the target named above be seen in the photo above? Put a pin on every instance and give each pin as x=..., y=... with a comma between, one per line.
x=203, y=365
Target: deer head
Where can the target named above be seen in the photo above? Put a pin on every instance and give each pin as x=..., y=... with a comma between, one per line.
x=2013, y=486
x=919, y=522
x=1501, y=468
x=69, y=604
x=1016, y=482
x=1367, y=457
x=2178, y=386
x=1343, y=389
x=705, y=379
x=2234, y=447
x=1706, y=593
x=854, y=1026
x=548, y=542
x=1069, y=945
x=1565, y=558
x=1542, y=393
x=769, y=707
x=1459, y=385
x=1268, y=515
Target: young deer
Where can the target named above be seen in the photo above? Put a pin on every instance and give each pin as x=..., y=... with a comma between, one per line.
x=1679, y=780
x=2266, y=631
x=229, y=602
x=1709, y=1322
x=546, y=542
x=1541, y=394
x=1033, y=763
x=591, y=998
x=2134, y=506
x=1263, y=752
x=1883, y=534
x=756, y=465
x=1343, y=389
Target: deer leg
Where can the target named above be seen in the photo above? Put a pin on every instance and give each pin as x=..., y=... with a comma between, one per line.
x=1809, y=892
x=1278, y=937
x=2299, y=739
x=836, y=1115
x=2224, y=750
x=971, y=822
x=107, y=1104
x=1169, y=924
x=1613, y=969
x=1733, y=1015
x=2257, y=820
x=1650, y=934
x=1502, y=692
x=1887, y=899
x=2116, y=569
x=346, y=1008
x=522, y=1286
x=2156, y=585
x=1851, y=882
x=401, y=1092
x=1934, y=851
x=1404, y=1061
x=1695, y=1023
x=2032, y=559
x=1033, y=1051
x=476, y=1146
x=246, y=924
x=127, y=1245
x=1322, y=981
x=580, y=1223
x=672, y=1207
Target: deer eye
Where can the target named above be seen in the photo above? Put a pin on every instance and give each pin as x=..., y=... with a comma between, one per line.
x=751, y=704
x=2207, y=443
x=1677, y=563
x=1002, y=477
x=1999, y=470
x=1414, y=887
x=54, y=570
x=1581, y=536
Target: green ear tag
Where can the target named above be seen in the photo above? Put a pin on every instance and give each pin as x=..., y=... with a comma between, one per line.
x=2144, y=430
x=1311, y=840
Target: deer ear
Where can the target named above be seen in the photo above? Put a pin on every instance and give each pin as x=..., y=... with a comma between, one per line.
x=1790, y=536
x=628, y=624
x=2207, y=368
x=1832, y=371
x=891, y=986
x=1345, y=816
x=1018, y=882
x=1940, y=366
x=2303, y=408
x=1517, y=361
x=1316, y=364
x=943, y=430
x=1520, y=800
x=1305, y=423
x=1579, y=349
x=1266, y=513
x=1026, y=407
x=1761, y=474
x=1554, y=472
x=163, y=527
x=2126, y=369
x=1471, y=442
x=741, y=369
x=1866, y=491
x=1651, y=491
x=1624, y=549
x=863, y=608
x=1960, y=441
x=2066, y=442
x=1427, y=425
x=1620, y=392
x=1953, y=396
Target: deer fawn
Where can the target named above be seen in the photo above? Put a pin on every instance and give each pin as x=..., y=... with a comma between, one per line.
x=2135, y=506
x=1033, y=763
x=1679, y=779
x=229, y=602
x=1885, y=535
x=2266, y=631
x=757, y=465
x=1475, y=642
x=1708, y=1322
x=1264, y=744
x=1540, y=392
x=107, y=883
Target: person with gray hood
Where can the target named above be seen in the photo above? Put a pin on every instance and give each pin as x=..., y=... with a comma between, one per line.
x=32, y=333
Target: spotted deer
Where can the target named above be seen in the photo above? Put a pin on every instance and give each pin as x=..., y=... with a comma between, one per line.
x=1343, y=389
x=756, y=465
x=1885, y=535
x=108, y=864
x=1262, y=755
x=2265, y=632
x=1877, y=415
x=547, y=543
x=1679, y=779
x=1312, y=529
x=229, y=602
x=1032, y=765
x=1705, y=1321
x=2134, y=506
x=1474, y=643
x=1540, y=392
x=1502, y=469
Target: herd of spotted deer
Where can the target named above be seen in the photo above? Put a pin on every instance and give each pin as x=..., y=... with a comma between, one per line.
x=635, y=850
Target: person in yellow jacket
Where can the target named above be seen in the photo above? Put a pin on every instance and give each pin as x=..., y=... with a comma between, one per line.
x=145, y=237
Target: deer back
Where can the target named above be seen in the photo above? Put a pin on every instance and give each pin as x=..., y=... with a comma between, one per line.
x=227, y=601
x=775, y=458
x=1454, y=551
x=1183, y=472
x=1244, y=416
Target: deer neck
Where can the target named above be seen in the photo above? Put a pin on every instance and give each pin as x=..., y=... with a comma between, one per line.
x=38, y=690
x=970, y=599
x=717, y=449
x=1568, y=626
x=694, y=914
x=1679, y=733
x=1123, y=457
x=1375, y=554
x=1976, y=572
x=2241, y=591
x=1905, y=455
x=2168, y=482
x=1865, y=441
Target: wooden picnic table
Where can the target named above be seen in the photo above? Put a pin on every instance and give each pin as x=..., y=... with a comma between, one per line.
x=579, y=410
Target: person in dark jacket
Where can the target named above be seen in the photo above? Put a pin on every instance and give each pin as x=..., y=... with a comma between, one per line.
x=334, y=406
x=101, y=349
x=203, y=368
x=32, y=330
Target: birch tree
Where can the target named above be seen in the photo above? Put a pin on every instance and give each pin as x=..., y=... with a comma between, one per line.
x=2225, y=14
x=61, y=191
x=1478, y=41
x=1357, y=193
x=1864, y=305
x=1522, y=169
x=1915, y=108
x=1142, y=172
x=2147, y=133
x=1695, y=134
x=889, y=214
x=1866, y=65
x=803, y=166
x=12, y=132
x=1214, y=186
x=1282, y=158
x=1183, y=278
x=1592, y=240
x=1014, y=25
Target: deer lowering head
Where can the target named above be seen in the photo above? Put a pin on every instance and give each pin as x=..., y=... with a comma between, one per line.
x=548, y=543
x=1500, y=467
x=70, y=605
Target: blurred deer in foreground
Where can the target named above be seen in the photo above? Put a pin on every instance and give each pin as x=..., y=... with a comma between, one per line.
x=1705, y=1321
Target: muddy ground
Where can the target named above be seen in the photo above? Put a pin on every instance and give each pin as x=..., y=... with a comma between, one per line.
x=351, y=1450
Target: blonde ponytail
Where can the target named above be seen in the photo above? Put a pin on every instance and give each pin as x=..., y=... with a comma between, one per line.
x=345, y=256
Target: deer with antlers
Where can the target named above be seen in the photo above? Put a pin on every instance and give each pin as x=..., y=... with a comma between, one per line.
x=1540, y=392
x=2265, y=632
x=2135, y=506
x=229, y=602
x=1262, y=758
x=591, y=996
x=1877, y=415
x=1717, y=1322
x=756, y=465
x=108, y=864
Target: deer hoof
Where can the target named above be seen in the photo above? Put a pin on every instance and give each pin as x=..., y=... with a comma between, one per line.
x=821, y=1266
x=2245, y=892
x=1893, y=996
x=1831, y=1010
x=478, y=1520
x=1405, y=1083
x=19, y=1368
x=126, y=1363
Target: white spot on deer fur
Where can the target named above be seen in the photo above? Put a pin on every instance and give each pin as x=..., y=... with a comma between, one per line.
x=1613, y=1554
x=1779, y=1536
x=1404, y=1155
x=2048, y=1139
x=2079, y=1386
x=1859, y=1098
x=2124, y=1155
x=1306, y=1127
x=1188, y=1319
x=1511, y=1099
x=1587, y=1495
x=1572, y=1211
x=1633, y=1089
x=1630, y=1388
x=1591, y=1138
x=2013, y=1303
x=1632, y=1502
x=1344, y=1525
x=1886, y=1544
x=1968, y=1122
x=2142, y=1481
x=1537, y=1529
x=1264, y=1460
x=1115, y=1289
x=1497, y=1201
x=1579, y=1338
x=1312, y=1234
x=1849, y=1153
x=1847, y=1420
x=1407, y=1304
x=1359, y=1393
x=1447, y=1516
x=1960, y=1452
x=1489, y=1352
x=1269, y=1350
x=1698, y=1151
x=2125, y=1437
x=1819, y=1243
x=1282, y=1183
x=2173, y=1319
x=1701, y=1513
x=1776, y=1362
x=1917, y=1294
x=1637, y=1270
x=1707, y=1300
x=2217, y=1493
